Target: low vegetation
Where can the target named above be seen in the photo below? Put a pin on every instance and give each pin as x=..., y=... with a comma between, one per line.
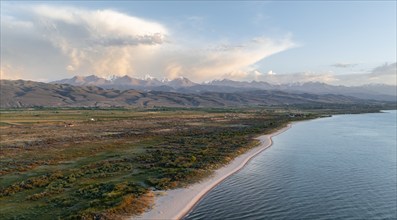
x=106, y=163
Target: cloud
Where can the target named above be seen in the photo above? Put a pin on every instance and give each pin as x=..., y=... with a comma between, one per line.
x=99, y=41
x=386, y=69
x=100, y=24
x=299, y=77
x=156, y=38
x=383, y=74
x=43, y=41
x=6, y=69
x=57, y=40
x=344, y=65
x=237, y=75
x=226, y=60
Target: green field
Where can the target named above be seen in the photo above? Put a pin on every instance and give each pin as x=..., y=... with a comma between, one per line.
x=106, y=163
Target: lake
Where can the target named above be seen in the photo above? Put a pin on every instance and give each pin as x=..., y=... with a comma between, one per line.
x=342, y=167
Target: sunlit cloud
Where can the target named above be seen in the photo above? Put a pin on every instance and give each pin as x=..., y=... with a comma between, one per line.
x=49, y=41
x=82, y=41
x=226, y=60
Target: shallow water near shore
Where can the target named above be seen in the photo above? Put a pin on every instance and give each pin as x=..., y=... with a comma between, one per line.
x=343, y=167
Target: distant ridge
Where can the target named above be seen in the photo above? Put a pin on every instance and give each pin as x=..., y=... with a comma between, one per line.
x=184, y=85
x=20, y=93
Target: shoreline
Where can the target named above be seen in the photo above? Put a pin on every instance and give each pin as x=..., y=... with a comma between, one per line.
x=177, y=203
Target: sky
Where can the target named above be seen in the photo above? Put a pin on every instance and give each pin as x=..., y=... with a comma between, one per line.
x=335, y=42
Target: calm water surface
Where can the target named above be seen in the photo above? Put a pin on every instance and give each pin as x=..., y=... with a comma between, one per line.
x=342, y=167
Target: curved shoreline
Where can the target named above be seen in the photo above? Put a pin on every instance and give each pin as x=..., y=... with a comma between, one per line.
x=177, y=203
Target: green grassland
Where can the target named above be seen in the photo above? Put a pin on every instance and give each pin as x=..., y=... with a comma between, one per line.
x=106, y=163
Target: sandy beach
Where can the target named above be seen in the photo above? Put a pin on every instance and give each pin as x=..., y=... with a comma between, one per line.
x=174, y=204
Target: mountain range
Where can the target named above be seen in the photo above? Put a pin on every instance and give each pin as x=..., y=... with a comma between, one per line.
x=184, y=85
x=21, y=93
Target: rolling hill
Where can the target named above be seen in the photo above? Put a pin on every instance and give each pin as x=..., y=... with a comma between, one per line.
x=20, y=93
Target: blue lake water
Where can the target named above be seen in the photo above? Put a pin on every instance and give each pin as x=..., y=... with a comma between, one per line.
x=343, y=167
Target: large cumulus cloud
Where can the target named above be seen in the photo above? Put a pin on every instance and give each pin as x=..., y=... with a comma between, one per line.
x=48, y=42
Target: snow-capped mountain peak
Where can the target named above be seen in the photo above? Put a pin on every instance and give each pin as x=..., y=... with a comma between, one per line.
x=165, y=80
x=148, y=77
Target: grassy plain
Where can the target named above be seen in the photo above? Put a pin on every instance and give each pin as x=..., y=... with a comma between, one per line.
x=106, y=163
